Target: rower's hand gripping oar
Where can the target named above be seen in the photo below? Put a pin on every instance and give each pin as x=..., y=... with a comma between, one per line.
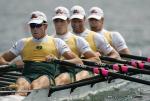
x=102, y=71
x=134, y=63
x=146, y=59
x=117, y=67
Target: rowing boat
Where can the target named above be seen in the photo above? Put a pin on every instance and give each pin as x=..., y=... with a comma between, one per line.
x=82, y=93
x=77, y=90
x=79, y=93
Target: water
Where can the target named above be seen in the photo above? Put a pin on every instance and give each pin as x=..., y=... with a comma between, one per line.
x=129, y=17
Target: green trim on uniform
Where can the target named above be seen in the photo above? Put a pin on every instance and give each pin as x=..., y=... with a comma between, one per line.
x=69, y=70
x=33, y=70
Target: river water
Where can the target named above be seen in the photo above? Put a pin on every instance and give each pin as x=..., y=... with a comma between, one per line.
x=130, y=17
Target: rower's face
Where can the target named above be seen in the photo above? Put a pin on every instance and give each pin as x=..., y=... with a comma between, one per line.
x=77, y=25
x=95, y=25
x=61, y=26
x=38, y=30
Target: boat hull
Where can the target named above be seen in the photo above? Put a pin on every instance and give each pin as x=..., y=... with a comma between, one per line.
x=78, y=93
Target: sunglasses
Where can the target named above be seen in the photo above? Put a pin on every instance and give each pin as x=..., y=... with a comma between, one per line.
x=34, y=25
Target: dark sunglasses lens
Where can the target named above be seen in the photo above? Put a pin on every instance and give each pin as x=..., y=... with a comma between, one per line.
x=34, y=25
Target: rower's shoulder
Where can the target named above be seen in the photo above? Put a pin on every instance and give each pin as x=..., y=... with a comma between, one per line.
x=90, y=31
x=22, y=40
x=116, y=34
x=58, y=40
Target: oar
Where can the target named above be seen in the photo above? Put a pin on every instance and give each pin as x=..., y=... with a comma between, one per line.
x=103, y=72
x=14, y=73
x=5, y=82
x=134, y=63
x=8, y=87
x=7, y=68
x=7, y=79
x=142, y=58
x=118, y=67
x=9, y=76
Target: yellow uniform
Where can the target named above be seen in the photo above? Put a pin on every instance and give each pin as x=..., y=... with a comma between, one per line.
x=36, y=51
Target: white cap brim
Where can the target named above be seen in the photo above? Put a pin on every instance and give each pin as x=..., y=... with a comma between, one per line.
x=37, y=21
x=95, y=17
x=77, y=16
x=59, y=17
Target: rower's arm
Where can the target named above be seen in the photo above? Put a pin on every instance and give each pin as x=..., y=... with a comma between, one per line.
x=125, y=51
x=119, y=43
x=91, y=56
x=114, y=54
x=71, y=57
x=6, y=57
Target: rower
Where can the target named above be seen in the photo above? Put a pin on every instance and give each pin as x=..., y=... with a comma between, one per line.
x=77, y=44
x=96, y=41
x=37, y=52
x=115, y=39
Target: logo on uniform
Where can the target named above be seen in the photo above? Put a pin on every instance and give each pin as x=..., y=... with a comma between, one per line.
x=39, y=47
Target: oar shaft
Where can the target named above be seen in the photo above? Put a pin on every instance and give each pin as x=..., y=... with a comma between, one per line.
x=129, y=78
x=9, y=76
x=131, y=63
x=7, y=79
x=6, y=82
x=106, y=58
x=141, y=71
x=119, y=68
x=7, y=68
x=147, y=59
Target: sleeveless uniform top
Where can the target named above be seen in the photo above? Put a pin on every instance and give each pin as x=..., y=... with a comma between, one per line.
x=115, y=39
x=71, y=42
x=90, y=39
x=36, y=51
x=108, y=37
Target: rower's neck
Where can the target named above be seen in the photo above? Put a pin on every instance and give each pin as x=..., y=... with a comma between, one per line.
x=62, y=33
x=79, y=31
x=95, y=29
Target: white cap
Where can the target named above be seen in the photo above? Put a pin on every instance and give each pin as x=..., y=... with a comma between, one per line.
x=77, y=12
x=61, y=13
x=37, y=20
x=96, y=13
x=36, y=14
